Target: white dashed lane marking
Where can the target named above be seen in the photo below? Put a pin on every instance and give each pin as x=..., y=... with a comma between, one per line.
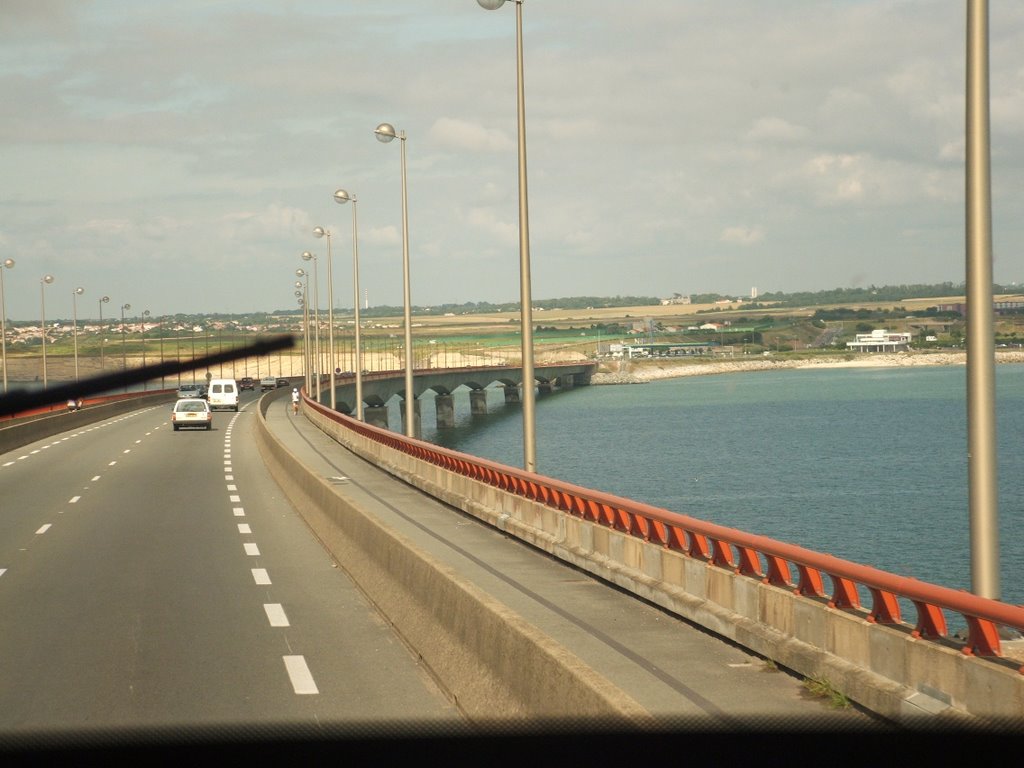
x=244, y=528
x=260, y=576
x=251, y=549
x=299, y=674
x=276, y=615
x=44, y=528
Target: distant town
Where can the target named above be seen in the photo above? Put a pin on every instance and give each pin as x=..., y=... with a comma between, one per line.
x=848, y=320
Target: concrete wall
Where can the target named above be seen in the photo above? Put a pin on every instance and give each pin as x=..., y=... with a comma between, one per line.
x=494, y=664
x=882, y=667
x=19, y=432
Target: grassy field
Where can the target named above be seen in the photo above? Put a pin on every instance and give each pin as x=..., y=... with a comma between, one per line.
x=560, y=334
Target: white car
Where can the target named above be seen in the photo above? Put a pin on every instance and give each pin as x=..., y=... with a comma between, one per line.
x=191, y=412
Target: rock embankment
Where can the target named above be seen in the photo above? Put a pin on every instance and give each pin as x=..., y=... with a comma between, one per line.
x=642, y=371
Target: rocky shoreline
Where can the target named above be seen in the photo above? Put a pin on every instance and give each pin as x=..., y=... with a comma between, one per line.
x=643, y=371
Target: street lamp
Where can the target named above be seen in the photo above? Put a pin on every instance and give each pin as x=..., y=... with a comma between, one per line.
x=124, y=354
x=44, y=281
x=74, y=313
x=305, y=331
x=145, y=314
x=526, y=310
x=8, y=264
x=341, y=196
x=304, y=285
x=321, y=232
x=103, y=300
x=385, y=133
x=307, y=256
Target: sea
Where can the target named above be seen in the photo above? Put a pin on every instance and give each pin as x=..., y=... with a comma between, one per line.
x=866, y=464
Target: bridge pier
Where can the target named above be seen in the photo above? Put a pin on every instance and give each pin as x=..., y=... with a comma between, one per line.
x=445, y=407
x=478, y=402
x=376, y=415
x=511, y=393
x=544, y=385
x=416, y=418
x=567, y=381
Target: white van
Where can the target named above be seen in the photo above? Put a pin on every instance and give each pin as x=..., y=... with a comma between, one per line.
x=222, y=393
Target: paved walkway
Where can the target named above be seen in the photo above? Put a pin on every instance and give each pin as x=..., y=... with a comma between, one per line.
x=675, y=670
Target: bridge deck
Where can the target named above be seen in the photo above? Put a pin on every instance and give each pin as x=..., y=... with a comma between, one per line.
x=670, y=668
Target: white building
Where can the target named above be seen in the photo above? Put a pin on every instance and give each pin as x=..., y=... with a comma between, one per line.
x=880, y=341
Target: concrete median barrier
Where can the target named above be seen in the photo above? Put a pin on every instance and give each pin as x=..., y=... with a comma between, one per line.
x=495, y=665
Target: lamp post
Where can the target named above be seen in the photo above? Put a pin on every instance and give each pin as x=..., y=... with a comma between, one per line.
x=74, y=316
x=44, y=281
x=103, y=300
x=385, y=132
x=142, y=325
x=304, y=301
x=982, y=467
x=8, y=264
x=321, y=232
x=124, y=354
x=526, y=309
x=341, y=196
x=305, y=331
x=162, y=378
x=307, y=256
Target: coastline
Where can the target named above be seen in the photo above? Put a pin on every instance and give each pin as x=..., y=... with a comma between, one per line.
x=643, y=371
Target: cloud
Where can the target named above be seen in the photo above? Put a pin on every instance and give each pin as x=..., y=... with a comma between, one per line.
x=487, y=221
x=452, y=133
x=775, y=129
x=742, y=235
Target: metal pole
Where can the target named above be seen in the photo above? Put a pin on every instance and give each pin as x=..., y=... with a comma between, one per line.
x=410, y=399
x=330, y=320
x=7, y=264
x=981, y=421
x=316, y=327
x=103, y=340
x=355, y=305
x=529, y=407
x=124, y=354
x=74, y=311
x=307, y=359
x=42, y=323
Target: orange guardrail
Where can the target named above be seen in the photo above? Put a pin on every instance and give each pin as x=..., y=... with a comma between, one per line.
x=758, y=557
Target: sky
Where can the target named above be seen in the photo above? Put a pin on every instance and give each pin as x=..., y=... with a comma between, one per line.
x=177, y=155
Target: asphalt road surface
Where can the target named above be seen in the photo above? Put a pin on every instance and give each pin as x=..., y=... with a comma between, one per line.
x=159, y=579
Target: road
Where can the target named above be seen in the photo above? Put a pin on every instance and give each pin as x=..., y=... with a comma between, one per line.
x=158, y=579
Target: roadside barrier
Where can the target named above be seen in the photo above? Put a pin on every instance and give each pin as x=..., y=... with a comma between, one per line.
x=760, y=592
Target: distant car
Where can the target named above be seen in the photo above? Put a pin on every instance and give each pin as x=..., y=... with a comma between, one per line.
x=192, y=412
x=204, y=391
x=246, y=382
x=268, y=382
x=189, y=391
x=283, y=383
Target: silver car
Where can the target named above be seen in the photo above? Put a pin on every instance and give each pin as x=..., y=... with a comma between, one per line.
x=192, y=412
